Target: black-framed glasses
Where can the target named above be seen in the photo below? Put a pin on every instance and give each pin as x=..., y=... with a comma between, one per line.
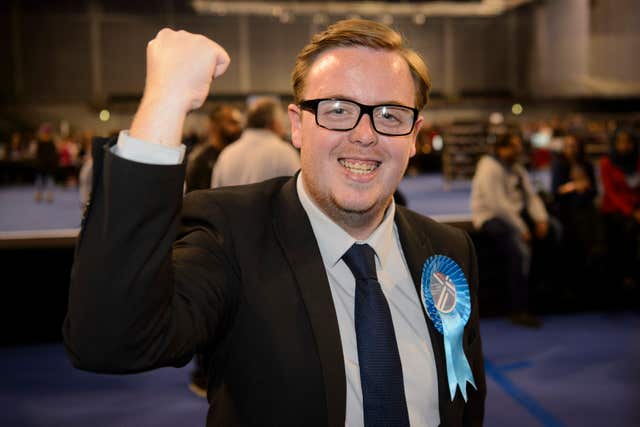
x=343, y=114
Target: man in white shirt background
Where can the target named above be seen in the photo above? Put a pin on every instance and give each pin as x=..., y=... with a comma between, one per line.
x=260, y=153
x=506, y=206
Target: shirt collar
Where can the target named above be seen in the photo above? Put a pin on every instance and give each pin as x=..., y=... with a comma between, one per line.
x=333, y=241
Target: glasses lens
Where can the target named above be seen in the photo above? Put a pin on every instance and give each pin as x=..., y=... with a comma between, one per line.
x=337, y=114
x=393, y=120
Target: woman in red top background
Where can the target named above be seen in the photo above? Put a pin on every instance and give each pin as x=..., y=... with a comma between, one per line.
x=620, y=174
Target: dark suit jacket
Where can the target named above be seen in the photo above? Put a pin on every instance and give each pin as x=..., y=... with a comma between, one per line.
x=200, y=166
x=237, y=274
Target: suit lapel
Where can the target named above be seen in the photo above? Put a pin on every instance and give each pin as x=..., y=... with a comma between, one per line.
x=294, y=232
x=416, y=246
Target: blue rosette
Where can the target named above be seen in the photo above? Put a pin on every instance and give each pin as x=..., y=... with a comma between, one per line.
x=445, y=295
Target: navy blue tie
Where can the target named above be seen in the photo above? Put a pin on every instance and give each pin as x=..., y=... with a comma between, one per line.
x=383, y=400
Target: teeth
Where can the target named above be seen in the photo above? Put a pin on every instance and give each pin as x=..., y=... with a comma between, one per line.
x=359, y=167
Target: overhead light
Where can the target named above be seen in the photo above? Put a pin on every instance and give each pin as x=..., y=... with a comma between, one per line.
x=484, y=8
x=419, y=19
x=276, y=11
x=387, y=19
x=320, y=19
x=286, y=17
x=437, y=142
x=517, y=109
x=496, y=118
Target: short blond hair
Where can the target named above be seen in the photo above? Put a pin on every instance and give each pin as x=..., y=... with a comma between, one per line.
x=365, y=33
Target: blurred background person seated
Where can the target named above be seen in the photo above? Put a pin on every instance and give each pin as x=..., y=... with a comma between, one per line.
x=620, y=174
x=505, y=206
x=574, y=190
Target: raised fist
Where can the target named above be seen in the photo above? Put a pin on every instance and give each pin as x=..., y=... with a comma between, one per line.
x=180, y=68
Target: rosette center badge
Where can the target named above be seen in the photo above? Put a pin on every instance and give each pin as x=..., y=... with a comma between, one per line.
x=443, y=292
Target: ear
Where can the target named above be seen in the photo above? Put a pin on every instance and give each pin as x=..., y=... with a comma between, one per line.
x=295, y=118
x=414, y=137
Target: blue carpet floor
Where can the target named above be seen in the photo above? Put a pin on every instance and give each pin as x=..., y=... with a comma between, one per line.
x=20, y=212
x=578, y=370
x=427, y=194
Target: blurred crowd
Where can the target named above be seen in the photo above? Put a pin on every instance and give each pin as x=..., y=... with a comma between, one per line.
x=45, y=157
x=581, y=234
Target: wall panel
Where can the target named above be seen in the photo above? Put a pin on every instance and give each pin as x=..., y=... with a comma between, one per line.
x=427, y=39
x=55, y=58
x=123, y=45
x=480, y=48
x=273, y=48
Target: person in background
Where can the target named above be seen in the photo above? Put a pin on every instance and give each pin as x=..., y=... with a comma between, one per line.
x=16, y=149
x=46, y=163
x=574, y=189
x=572, y=176
x=225, y=126
x=14, y=157
x=260, y=153
x=620, y=175
x=505, y=206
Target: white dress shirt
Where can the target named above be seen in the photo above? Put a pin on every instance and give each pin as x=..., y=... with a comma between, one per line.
x=414, y=345
x=259, y=154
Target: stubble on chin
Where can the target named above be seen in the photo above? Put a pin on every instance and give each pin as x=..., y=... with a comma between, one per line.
x=352, y=219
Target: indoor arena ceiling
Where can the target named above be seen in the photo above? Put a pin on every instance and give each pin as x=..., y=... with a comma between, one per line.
x=361, y=8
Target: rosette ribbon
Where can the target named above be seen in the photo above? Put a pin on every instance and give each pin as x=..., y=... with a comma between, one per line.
x=445, y=295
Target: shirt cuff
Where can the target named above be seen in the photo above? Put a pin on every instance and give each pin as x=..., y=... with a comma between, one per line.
x=147, y=152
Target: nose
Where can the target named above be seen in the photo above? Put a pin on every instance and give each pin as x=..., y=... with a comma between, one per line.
x=364, y=133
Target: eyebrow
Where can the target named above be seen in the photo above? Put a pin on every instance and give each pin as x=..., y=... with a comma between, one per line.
x=348, y=98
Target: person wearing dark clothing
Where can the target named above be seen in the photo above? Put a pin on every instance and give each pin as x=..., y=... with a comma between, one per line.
x=46, y=163
x=573, y=181
x=574, y=189
x=224, y=128
x=620, y=174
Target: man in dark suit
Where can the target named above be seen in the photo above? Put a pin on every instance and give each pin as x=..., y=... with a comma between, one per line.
x=303, y=292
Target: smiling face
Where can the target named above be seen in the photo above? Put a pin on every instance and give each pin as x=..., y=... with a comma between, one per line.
x=352, y=175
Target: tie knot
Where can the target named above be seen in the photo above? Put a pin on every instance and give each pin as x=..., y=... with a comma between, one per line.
x=361, y=261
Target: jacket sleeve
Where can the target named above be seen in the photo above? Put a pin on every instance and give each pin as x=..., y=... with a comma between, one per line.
x=151, y=282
